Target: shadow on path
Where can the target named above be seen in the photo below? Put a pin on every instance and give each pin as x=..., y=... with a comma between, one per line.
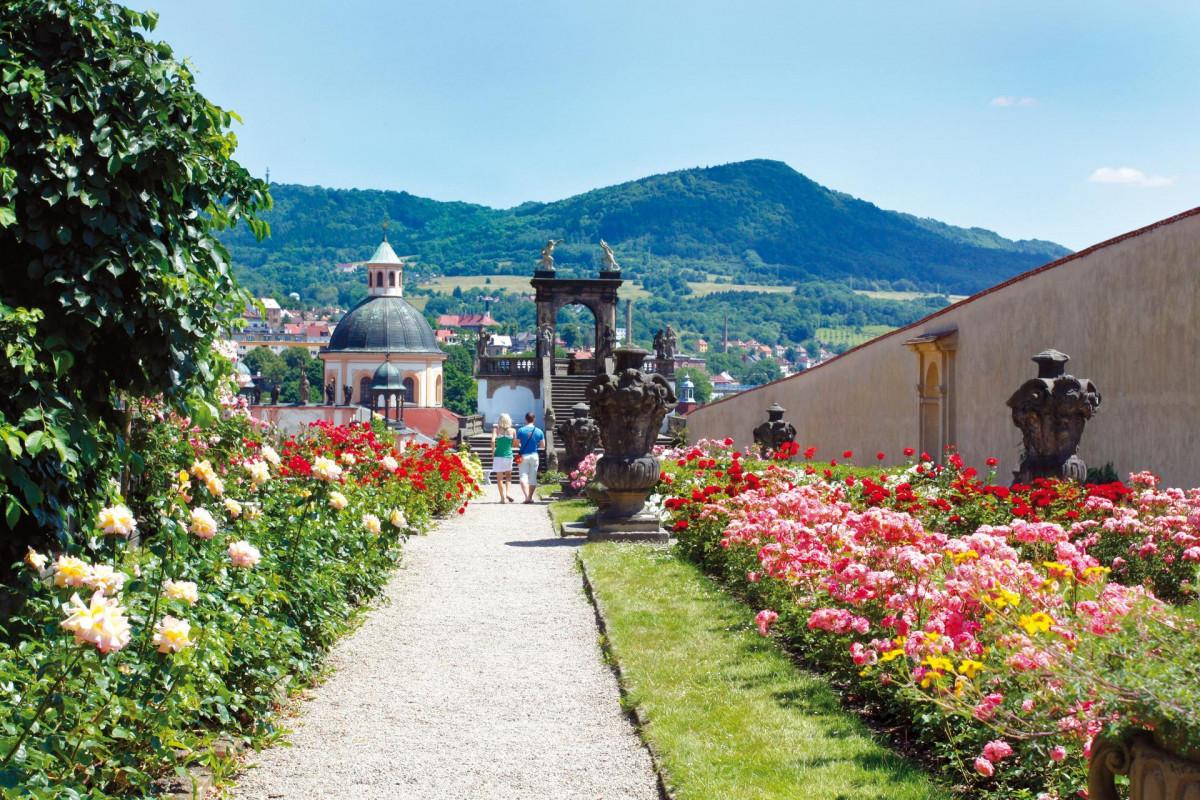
x=555, y=542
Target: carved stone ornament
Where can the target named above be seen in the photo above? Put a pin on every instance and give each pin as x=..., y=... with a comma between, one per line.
x=303, y=387
x=1051, y=411
x=580, y=436
x=546, y=262
x=1154, y=773
x=774, y=432
x=330, y=393
x=628, y=407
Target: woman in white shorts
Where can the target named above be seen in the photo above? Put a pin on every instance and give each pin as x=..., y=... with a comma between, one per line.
x=502, y=455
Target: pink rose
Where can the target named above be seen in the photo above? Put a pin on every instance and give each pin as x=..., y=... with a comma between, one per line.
x=764, y=620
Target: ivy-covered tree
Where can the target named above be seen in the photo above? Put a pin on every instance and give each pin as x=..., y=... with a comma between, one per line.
x=115, y=174
x=459, y=387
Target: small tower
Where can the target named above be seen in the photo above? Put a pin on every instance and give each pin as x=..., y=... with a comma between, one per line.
x=385, y=272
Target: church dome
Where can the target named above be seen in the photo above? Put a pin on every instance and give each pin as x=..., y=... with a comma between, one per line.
x=383, y=324
x=386, y=377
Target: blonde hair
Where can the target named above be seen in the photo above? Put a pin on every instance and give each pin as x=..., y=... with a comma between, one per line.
x=504, y=424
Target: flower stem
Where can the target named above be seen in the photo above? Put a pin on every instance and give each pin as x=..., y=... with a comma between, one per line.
x=42, y=708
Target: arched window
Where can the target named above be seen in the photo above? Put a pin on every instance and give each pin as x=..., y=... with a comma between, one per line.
x=438, y=391
x=410, y=390
x=391, y=279
x=364, y=391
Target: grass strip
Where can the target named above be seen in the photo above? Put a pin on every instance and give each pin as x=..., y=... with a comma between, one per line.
x=725, y=711
x=564, y=512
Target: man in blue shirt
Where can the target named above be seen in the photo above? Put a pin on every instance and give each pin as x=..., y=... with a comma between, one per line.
x=530, y=438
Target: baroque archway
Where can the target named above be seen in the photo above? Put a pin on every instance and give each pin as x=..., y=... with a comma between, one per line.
x=598, y=295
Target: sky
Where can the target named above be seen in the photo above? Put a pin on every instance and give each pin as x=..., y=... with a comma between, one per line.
x=1069, y=121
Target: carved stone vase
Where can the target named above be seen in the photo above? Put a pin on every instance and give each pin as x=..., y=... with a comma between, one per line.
x=628, y=407
x=580, y=436
x=1051, y=411
x=1154, y=773
x=774, y=432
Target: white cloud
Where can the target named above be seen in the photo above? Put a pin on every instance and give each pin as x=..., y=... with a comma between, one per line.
x=1129, y=176
x=1006, y=101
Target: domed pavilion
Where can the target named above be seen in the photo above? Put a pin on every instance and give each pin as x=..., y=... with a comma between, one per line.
x=384, y=329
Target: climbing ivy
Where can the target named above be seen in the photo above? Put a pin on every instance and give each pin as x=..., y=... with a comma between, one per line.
x=115, y=173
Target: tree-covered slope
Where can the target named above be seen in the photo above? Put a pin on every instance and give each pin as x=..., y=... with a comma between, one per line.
x=752, y=221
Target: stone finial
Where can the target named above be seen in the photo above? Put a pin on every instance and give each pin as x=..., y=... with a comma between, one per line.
x=1051, y=363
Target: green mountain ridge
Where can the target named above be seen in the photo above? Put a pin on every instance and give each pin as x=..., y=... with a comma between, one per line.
x=754, y=221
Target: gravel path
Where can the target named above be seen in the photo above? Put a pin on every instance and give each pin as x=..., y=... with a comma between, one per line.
x=479, y=678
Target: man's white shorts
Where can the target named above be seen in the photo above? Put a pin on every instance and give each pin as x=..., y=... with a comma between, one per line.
x=529, y=468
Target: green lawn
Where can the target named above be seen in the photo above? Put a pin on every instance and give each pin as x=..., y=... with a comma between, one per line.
x=725, y=711
x=517, y=284
x=704, y=288
x=851, y=336
x=564, y=512
x=882, y=295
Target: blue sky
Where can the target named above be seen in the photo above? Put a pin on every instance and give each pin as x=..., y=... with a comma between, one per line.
x=1070, y=121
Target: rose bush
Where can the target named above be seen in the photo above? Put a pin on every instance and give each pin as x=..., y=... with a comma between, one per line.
x=228, y=569
x=1004, y=628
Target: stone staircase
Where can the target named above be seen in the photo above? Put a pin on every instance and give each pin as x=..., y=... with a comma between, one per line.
x=566, y=391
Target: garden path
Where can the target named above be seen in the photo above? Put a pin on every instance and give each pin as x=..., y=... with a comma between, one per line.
x=479, y=677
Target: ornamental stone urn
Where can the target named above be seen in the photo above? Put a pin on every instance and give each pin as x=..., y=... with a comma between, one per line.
x=628, y=407
x=1051, y=411
x=580, y=436
x=1154, y=773
x=774, y=432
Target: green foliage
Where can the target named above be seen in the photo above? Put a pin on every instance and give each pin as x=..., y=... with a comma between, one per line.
x=759, y=372
x=115, y=174
x=458, y=380
x=751, y=222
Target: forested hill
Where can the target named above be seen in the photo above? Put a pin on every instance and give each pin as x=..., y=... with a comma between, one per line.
x=753, y=221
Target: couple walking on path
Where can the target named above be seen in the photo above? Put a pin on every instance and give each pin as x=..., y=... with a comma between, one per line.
x=528, y=440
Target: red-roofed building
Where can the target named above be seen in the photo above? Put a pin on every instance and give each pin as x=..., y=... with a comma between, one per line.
x=474, y=322
x=434, y=423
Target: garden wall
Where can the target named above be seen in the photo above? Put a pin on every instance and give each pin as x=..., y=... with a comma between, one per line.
x=1127, y=311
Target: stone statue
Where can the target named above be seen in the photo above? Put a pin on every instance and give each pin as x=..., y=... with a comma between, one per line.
x=545, y=341
x=330, y=393
x=481, y=344
x=628, y=407
x=1051, y=411
x=659, y=352
x=547, y=261
x=303, y=387
x=347, y=394
x=669, y=343
x=275, y=395
x=580, y=436
x=610, y=262
x=608, y=342
x=774, y=432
